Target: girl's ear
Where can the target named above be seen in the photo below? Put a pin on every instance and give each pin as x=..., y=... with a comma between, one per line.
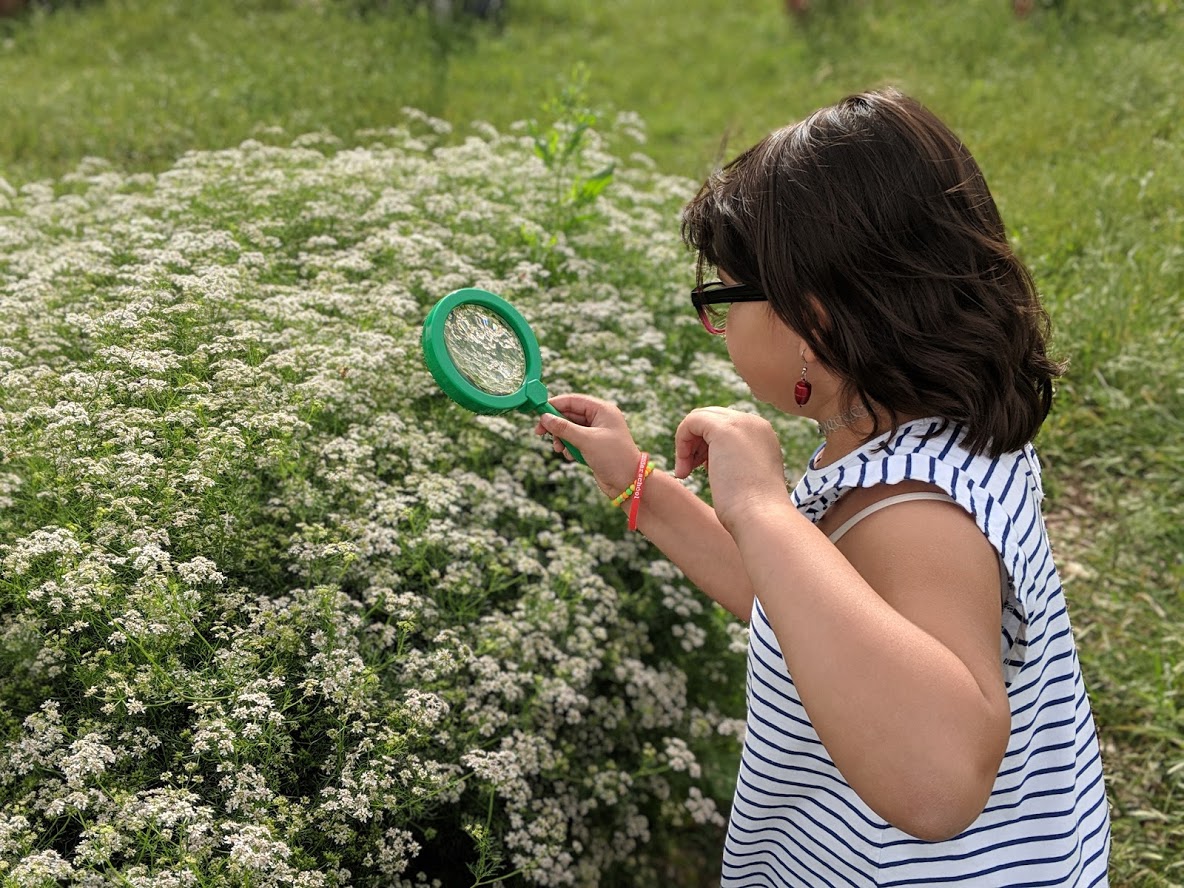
x=821, y=325
x=821, y=315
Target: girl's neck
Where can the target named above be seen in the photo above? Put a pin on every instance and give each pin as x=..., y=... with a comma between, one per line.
x=853, y=414
x=846, y=432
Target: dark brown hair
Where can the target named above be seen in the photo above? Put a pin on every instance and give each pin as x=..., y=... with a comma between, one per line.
x=873, y=233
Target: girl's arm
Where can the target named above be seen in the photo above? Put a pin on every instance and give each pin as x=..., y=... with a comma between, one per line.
x=688, y=532
x=680, y=524
x=892, y=640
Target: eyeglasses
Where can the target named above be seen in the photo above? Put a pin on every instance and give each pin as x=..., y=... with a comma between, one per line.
x=712, y=300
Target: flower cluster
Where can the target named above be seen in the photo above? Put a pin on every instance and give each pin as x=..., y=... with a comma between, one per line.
x=272, y=610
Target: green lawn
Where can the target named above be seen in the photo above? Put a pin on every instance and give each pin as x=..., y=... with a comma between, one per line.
x=1074, y=114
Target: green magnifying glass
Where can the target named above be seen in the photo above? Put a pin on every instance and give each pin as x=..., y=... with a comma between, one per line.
x=485, y=357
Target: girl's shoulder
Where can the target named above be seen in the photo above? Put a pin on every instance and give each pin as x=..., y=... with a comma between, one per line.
x=1002, y=494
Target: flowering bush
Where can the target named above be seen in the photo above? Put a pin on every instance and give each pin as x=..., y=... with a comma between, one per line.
x=272, y=610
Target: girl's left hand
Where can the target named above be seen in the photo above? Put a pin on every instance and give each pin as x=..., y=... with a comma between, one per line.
x=743, y=458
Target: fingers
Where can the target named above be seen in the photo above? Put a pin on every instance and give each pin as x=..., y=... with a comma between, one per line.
x=563, y=430
x=557, y=440
x=690, y=446
x=598, y=431
x=687, y=460
x=582, y=412
x=589, y=411
x=692, y=440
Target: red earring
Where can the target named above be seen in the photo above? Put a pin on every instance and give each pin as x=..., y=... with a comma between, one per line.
x=802, y=389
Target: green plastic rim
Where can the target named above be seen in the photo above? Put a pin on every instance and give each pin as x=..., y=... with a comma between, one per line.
x=530, y=397
x=454, y=383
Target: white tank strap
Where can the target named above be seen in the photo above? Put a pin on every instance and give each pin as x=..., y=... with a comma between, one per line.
x=884, y=504
x=1004, y=584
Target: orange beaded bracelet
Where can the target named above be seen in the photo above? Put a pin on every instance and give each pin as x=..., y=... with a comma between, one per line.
x=620, y=498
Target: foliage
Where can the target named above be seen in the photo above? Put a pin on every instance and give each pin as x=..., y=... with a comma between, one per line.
x=560, y=144
x=277, y=613
x=1073, y=113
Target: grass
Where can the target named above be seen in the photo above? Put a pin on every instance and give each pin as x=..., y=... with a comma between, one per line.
x=1074, y=114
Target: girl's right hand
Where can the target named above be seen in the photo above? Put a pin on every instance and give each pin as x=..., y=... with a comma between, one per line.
x=598, y=430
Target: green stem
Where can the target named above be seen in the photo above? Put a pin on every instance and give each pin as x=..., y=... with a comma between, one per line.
x=492, y=879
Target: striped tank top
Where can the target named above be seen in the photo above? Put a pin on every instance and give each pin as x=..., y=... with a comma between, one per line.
x=796, y=822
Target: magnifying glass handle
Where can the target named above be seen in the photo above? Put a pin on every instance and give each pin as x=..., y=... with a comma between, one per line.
x=546, y=407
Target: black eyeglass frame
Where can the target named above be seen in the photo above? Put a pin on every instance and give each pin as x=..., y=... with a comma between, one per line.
x=719, y=293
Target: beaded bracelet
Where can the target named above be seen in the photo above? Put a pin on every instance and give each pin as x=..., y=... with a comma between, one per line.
x=620, y=498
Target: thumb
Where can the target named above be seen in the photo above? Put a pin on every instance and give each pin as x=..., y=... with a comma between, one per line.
x=688, y=456
x=560, y=427
x=691, y=443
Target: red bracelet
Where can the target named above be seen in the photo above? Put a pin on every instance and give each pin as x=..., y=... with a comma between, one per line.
x=638, y=484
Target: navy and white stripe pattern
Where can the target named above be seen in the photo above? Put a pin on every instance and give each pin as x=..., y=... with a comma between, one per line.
x=796, y=822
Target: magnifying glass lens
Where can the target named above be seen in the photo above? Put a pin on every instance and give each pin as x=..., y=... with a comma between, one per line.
x=485, y=349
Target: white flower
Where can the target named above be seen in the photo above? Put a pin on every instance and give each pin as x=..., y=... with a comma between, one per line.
x=257, y=855
x=703, y=809
x=198, y=571
x=48, y=542
x=14, y=831
x=680, y=756
x=88, y=756
x=36, y=869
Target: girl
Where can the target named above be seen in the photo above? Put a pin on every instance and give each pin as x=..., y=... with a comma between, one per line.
x=916, y=711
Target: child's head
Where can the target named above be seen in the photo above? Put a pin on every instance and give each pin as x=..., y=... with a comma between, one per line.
x=870, y=228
